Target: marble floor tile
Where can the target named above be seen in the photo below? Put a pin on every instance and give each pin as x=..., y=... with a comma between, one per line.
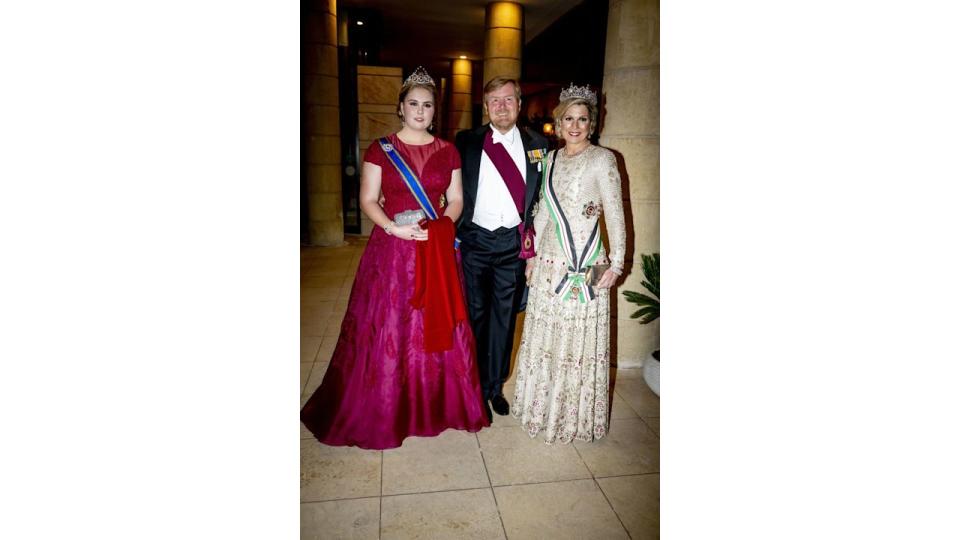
x=342, y=302
x=326, y=348
x=439, y=487
x=512, y=457
x=313, y=320
x=308, y=348
x=454, y=515
x=448, y=461
x=639, y=396
x=332, y=331
x=350, y=519
x=305, y=369
x=310, y=296
x=335, y=472
x=620, y=408
x=557, y=511
x=326, y=279
x=654, y=423
x=636, y=499
x=316, y=377
x=332, y=265
x=630, y=447
x=624, y=374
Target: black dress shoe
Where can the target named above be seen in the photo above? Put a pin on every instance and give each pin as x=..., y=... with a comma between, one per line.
x=500, y=405
x=486, y=407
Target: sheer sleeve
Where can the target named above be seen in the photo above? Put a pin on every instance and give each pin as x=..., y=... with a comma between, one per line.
x=612, y=196
x=454, y=157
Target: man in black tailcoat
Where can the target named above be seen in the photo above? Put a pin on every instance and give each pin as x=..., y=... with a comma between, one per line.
x=502, y=167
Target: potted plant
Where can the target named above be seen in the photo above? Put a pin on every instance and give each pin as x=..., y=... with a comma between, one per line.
x=649, y=311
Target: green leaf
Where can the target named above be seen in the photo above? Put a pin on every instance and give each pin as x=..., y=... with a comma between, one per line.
x=650, y=319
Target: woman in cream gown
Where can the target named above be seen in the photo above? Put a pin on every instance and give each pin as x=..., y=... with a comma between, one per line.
x=563, y=364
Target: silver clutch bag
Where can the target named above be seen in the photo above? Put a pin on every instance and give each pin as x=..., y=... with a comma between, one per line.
x=594, y=273
x=408, y=217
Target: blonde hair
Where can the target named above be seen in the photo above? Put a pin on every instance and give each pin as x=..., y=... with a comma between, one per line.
x=562, y=108
x=499, y=82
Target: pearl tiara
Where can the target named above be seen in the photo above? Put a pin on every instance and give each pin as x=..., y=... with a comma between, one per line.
x=579, y=92
x=419, y=76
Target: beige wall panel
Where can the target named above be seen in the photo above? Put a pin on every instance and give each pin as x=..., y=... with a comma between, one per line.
x=327, y=232
x=645, y=217
x=324, y=120
x=642, y=154
x=460, y=120
x=634, y=96
x=326, y=205
x=374, y=108
x=323, y=90
x=314, y=21
x=322, y=27
x=378, y=89
x=462, y=85
x=324, y=150
x=324, y=179
x=462, y=67
x=330, y=25
x=504, y=14
x=380, y=70
x=500, y=42
x=635, y=341
x=376, y=125
x=366, y=226
x=362, y=144
x=500, y=67
x=633, y=34
x=461, y=102
x=321, y=59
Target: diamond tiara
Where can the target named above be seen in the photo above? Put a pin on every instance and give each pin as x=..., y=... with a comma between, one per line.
x=419, y=76
x=579, y=92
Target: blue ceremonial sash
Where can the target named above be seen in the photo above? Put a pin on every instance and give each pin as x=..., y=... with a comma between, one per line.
x=574, y=282
x=411, y=180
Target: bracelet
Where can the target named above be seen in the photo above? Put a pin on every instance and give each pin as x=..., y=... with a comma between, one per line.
x=389, y=227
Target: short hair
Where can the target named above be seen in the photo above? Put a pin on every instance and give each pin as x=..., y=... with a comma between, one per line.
x=561, y=109
x=499, y=82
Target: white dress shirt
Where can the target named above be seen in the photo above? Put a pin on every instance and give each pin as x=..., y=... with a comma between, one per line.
x=494, y=207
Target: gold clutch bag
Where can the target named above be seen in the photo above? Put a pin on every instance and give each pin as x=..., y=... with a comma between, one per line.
x=594, y=273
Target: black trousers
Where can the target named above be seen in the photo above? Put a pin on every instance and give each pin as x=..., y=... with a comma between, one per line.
x=494, y=279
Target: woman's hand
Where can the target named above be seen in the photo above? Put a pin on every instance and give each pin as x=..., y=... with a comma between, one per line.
x=409, y=232
x=528, y=271
x=608, y=279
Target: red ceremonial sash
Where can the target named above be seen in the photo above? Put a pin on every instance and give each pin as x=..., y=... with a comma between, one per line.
x=513, y=178
x=508, y=170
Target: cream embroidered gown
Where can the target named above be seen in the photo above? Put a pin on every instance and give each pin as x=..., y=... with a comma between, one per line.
x=563, y=365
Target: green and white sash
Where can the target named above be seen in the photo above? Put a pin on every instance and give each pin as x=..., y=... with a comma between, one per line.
x=574, y=283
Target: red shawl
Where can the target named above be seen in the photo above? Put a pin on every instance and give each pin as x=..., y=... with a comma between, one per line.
x=437, y=287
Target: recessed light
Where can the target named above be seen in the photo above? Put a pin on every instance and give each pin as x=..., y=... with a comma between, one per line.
x=359, y=23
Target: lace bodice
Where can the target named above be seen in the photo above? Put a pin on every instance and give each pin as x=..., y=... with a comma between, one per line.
x=588, y=187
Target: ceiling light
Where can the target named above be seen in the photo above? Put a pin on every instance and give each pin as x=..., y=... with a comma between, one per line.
x=359, y=23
